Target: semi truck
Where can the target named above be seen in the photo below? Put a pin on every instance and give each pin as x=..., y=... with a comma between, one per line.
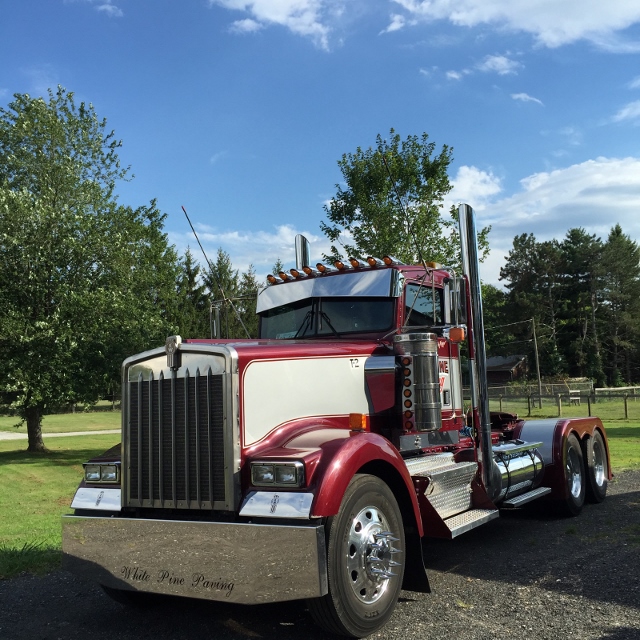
x=314, y=462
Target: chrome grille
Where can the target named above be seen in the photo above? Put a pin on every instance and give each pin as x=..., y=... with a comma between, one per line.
x=176, y=441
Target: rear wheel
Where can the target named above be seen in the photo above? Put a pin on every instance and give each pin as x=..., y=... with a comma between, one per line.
x=574, y=476
x=365, y=561
x=597, y=468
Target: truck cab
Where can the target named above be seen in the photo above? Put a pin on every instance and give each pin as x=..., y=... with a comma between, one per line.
x=313, y=461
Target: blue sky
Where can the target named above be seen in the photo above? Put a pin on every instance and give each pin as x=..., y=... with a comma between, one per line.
x=240, y=109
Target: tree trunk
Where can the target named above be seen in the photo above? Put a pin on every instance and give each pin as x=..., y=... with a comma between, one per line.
x=33, y=416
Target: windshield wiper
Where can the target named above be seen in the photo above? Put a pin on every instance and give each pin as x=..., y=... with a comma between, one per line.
x=306, y=323
x=325, y=317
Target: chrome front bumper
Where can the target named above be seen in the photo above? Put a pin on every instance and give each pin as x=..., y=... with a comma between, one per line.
x=243, y=563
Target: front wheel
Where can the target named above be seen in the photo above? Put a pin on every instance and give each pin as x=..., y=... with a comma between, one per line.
x=365, y=561
x=574, y=476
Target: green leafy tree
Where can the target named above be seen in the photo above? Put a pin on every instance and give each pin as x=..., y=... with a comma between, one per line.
x=84, y=281
x=392, y=202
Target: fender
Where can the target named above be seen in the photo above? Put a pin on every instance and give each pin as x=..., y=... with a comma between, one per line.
x=553, y=433
x=342, y=458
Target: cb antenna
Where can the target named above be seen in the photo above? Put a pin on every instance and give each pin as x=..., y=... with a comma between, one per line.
x=213, y=275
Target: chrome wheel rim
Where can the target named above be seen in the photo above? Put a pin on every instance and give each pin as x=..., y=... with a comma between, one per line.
x=574, y=475
x=599, y=474
x=370, y=555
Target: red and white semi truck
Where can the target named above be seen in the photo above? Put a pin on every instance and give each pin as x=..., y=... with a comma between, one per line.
x=312, y=462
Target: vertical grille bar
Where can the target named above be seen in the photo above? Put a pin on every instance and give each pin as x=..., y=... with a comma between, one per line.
x=140, y=428
x=187, y=493
x=149, y=495
x=174, y=495
x=198, y=450
x=160, y=440
x=209, y=427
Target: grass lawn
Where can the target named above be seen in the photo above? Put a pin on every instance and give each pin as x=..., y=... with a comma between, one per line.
x=35, y=490
x=66, y=422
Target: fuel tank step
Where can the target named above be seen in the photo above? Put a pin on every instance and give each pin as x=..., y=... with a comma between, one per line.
x=468, y=520
x=449, y=487
x=523, y=498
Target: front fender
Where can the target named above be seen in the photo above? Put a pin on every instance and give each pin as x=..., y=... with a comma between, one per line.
x=361, y=452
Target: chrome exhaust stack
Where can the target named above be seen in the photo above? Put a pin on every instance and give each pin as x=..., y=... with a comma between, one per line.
x=477, y=351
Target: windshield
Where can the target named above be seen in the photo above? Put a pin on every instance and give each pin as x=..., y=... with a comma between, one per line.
x=326, y=317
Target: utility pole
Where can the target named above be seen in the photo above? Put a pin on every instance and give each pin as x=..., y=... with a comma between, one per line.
x=535, y=347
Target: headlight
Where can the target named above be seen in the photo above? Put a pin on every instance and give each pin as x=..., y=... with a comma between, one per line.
x=108, y=473
x=272, y=474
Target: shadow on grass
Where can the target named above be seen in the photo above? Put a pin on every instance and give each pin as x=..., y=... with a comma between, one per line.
x=32, y=557
x=55, y=457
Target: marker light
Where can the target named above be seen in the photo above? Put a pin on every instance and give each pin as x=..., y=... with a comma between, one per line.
x=356, y=263
x=433, y=265
x=271, y=279
x=341, y=266
x=375, y=262
x=389, y=260
x=456, y=334
x=358, y=422
x=285, y=276
x=310, y=271
x=325, y=268
x=298, y=275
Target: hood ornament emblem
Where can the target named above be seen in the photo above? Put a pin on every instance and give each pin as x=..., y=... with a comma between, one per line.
x=172, y=349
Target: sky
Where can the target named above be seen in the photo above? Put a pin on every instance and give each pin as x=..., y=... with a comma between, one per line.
x=239, y=110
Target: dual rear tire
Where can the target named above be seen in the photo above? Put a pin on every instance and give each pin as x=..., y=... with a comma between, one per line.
x=586, y=472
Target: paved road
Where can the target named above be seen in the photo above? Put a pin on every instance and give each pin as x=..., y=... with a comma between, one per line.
x=528, y=576
x=9, y=435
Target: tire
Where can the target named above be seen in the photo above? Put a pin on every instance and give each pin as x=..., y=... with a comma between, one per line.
x=365, y=561
x=597, y=468
x=574, y=476
x=134, y=599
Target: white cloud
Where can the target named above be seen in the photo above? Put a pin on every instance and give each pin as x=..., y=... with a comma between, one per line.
x=499, y=64
x=245, y=26
x=110, y=9
x=303, y=17
x=552, y=23
x=397, y=22
x=635, y=83
x=595, y=195
x=502, y=65
x=630, y=111
x=525, y=97
x=473, y=186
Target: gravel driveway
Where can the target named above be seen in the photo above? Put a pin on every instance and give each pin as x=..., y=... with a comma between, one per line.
x=525, y=575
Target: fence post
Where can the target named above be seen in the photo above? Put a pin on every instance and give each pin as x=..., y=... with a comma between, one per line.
x=529, y=405
x=626, y=406
x=589, y=405
x=500, y=398
x=559, y=397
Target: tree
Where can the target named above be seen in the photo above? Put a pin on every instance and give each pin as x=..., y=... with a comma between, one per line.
x=84, y=281
x=533, y=274
x=392, y=203
x=621, y=306
x=192, y=312
x=580, y=264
